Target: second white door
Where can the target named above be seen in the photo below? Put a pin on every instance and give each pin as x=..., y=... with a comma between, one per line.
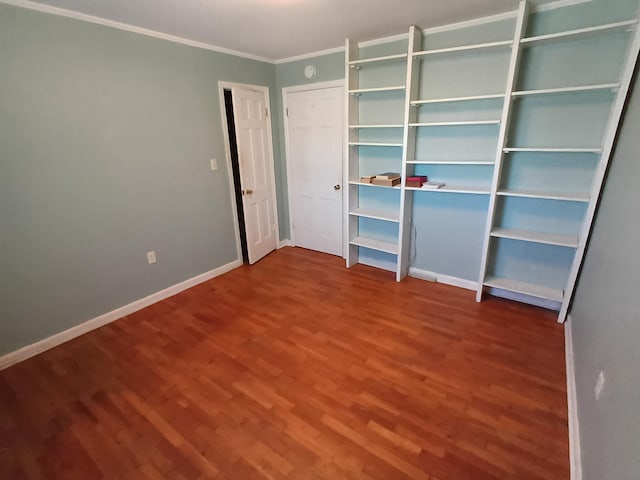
x=314, y=139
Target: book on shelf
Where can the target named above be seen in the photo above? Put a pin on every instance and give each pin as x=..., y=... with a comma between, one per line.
x=432, y=185
x=416, y=181
x=386, y=183
x=367, y=178
x=387, y=176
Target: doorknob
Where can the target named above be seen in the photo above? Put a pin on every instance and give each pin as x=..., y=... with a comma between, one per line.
x=336, y=187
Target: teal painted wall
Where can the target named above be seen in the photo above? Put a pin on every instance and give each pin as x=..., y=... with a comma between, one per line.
x=105, y=139
x=605, y=324
x=329, y=67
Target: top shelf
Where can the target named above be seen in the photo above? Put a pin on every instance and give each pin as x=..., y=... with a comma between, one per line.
x=580, y=32
x=360, y=91
x=464, y=48
x=387, y=58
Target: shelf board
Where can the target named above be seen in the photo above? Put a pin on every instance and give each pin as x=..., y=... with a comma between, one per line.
x=525, y=288
x=580, y=32
x=450, y=162
x=375, y=214
x=378, y=245
x=570, y=197
x=455, y=124
x=359, y=91
x=552, y=150
x=374, y=144
x=536, y=237
x=457, y=99
x=399, y=125
x=386, y=58
x=464, y=48
x=362, y=184
x=454, y=189
x=576, y=89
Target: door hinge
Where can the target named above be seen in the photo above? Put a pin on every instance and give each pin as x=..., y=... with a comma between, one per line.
x=266, y=112
x=287, y=110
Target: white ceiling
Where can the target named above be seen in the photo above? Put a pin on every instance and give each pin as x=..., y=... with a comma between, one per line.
x=276, y=29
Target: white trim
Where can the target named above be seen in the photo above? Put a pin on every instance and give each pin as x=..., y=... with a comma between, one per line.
x=471, y=23
x=519, y=297
x=97, y=322
x=304, y=56
x=222, y=86
x=287, y=156
x=383, y=40
x=440, y=278
x=377, y=263
x=61, y=12
x=575, y=455
x=285, y=243
x=559, y=4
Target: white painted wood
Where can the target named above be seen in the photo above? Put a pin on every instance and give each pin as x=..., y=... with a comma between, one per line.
x=575, y=451
x=575, y=89
x=607, y=150
x=106, y=318
x=352, y=117
x=465, y=48
x=458, y=99
x=373, y=244
x=375, y=144
x=313, y=139
x=375, y=214
x=255, y=154
x=358, y=91
x=440, y=278
x=451, y=162
x=386, y=58
x=514, y=64
x=580, y=32
x=537, y=237
x=361, y=184
x=409, y=151
x=455, y=124
x=376, y=126
x=569, y=197
x=454, y=189
x=524, y=288
x=552, y=150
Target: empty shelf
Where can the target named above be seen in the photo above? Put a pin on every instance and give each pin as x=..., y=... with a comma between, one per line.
x=386, y=58
x=571, y=197
x=455, y=124
x=379, y=245
x=379, y=89
x=580, y=32
x=457, y=99
x=455, y=189
x=398, y=125
x=583, y=88
x=537, y=237
x=450, y=162
x=375, y=214
x=553, y=150
x=374, y=144
x=525, y=288
x=464, y=48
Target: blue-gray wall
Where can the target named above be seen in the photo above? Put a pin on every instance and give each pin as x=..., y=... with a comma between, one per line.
x=605, y=319
x=105, y=141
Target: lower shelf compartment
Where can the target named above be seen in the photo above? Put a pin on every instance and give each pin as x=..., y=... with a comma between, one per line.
x=525, y=288
x=379, y=245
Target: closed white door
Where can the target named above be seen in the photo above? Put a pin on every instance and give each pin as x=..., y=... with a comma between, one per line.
x=255, y=158
x=314, y=134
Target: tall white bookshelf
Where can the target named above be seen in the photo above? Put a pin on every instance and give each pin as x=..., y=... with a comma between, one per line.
x=540, y=191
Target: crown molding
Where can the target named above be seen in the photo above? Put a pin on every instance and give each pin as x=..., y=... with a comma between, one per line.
x=61, y=12
x=559, y=4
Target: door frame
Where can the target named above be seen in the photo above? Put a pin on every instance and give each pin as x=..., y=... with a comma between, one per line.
x=222, y=86
x=304, y=88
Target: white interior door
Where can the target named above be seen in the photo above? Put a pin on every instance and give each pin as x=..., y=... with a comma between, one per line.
x=256, y=175
x=314, y=133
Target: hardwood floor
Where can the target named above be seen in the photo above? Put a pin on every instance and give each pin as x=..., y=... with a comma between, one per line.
x=297, y=368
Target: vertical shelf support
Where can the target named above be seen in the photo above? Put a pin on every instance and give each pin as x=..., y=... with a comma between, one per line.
x=514, y=65
x=408, y=152
x=351, y=154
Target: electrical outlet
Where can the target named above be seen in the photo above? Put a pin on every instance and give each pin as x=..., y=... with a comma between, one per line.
x=214, y=164
x=599, y=385
x=151, y=257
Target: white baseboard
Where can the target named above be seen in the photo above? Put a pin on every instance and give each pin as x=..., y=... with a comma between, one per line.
x=97, y=322
x=528, y=299
x=446, y=279
x=285, y=243
x=575, y=456
x=377, y=263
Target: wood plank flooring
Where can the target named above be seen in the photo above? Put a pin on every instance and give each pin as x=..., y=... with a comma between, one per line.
x=297, y=368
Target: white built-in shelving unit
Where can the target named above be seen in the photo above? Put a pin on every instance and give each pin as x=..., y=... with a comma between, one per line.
x=545, y=216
